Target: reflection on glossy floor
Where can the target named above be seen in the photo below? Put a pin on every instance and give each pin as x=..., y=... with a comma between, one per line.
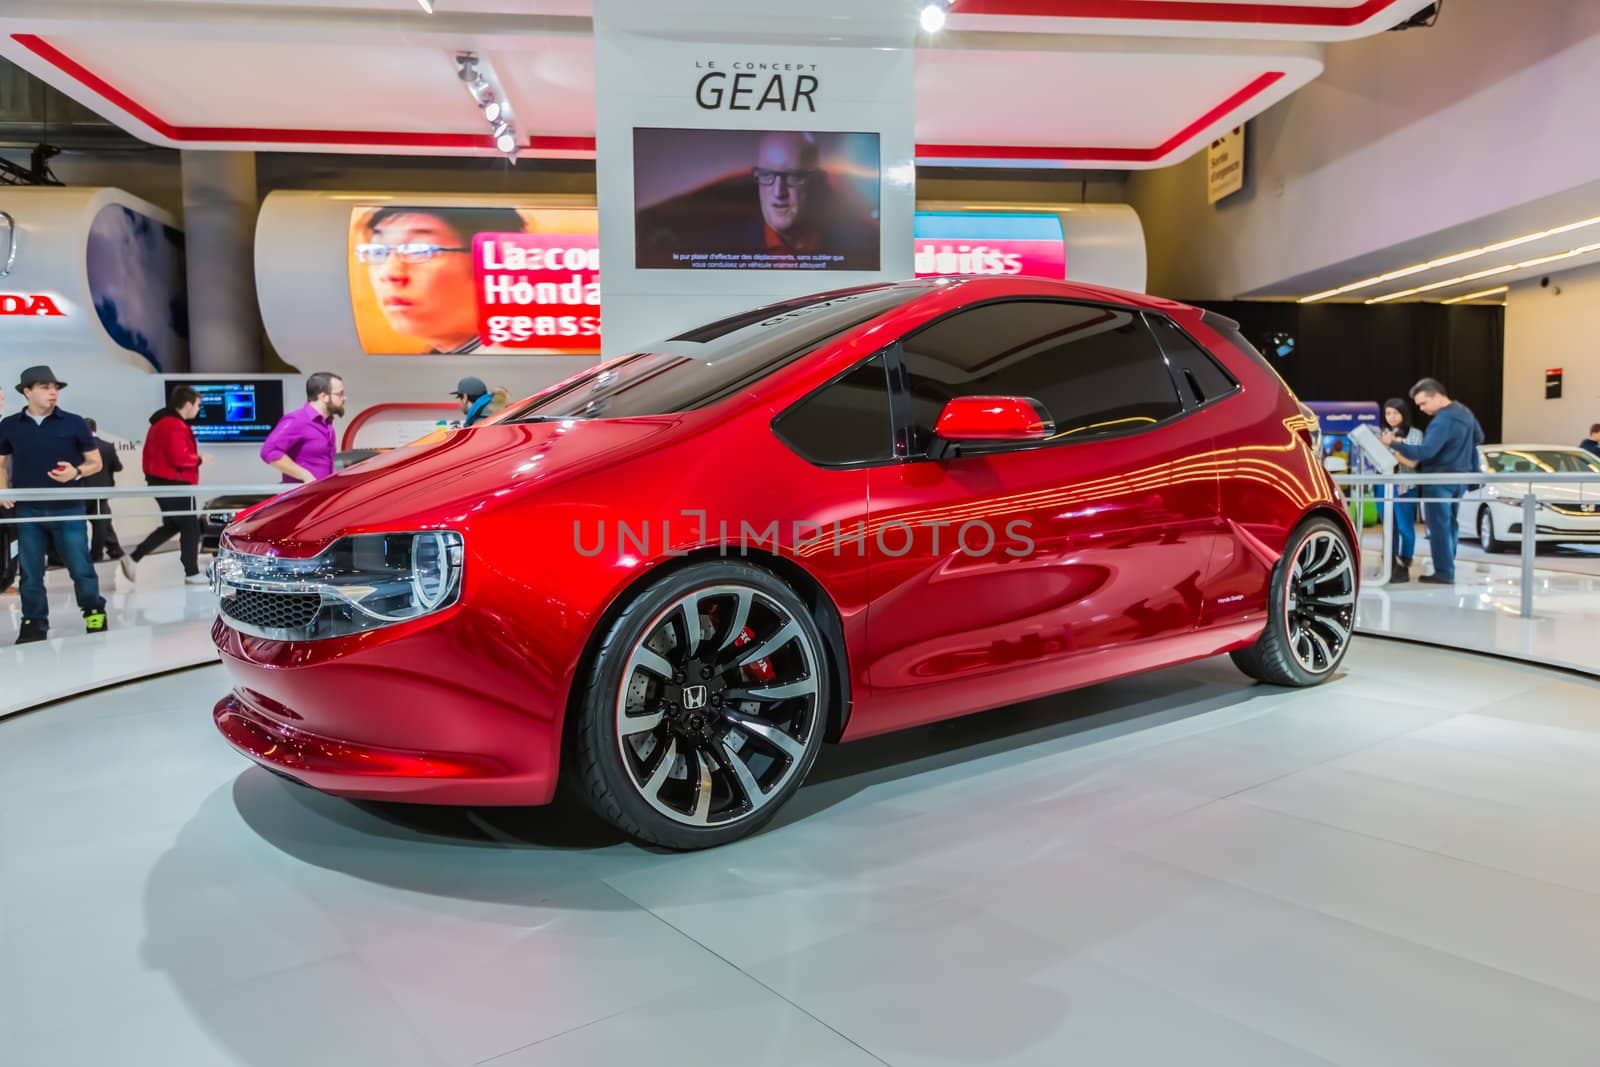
x=1402, y=867
x=157, y=624
x=1482, y=611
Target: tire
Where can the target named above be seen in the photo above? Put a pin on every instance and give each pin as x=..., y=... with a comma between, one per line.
x=741, y=738
x=1306, y=637
x=1486, y=537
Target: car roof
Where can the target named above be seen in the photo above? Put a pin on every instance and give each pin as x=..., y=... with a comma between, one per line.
x=1532, y=448
x=979, y=286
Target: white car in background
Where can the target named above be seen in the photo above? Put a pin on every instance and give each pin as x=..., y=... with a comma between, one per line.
x=1567, y=513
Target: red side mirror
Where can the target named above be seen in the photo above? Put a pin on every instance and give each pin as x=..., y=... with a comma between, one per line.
x=990, y=420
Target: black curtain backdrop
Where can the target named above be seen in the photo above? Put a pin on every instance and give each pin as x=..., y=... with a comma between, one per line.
x=1375, y=351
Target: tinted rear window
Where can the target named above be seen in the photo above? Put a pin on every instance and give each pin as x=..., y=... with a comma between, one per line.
x=1230, y=332
x=714, y=361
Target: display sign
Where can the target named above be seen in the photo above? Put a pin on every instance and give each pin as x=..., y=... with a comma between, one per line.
x=234, y=409
x=138, y=285
x=989, y=243
x=513, y=280
x=449, y=280
x=8, y=243
x=39, y=304
x=1225, y=165
x=755, y=200
x=538, y=291
x=1337, y=419
x=1552, y=384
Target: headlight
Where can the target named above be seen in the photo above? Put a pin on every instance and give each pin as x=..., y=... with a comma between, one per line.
x=357, y=584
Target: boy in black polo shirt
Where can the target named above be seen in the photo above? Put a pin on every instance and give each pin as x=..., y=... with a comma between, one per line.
x=50, y=448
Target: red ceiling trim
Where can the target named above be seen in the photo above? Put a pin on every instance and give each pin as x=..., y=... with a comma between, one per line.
x=388, y=139
x=1180, y=11
x=1110, y=155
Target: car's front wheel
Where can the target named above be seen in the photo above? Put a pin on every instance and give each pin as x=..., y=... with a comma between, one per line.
x=1486, y=536
x=704, y=708
x=1312, y=609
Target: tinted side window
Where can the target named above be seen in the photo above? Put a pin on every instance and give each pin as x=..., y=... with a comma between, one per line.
x=845, y=422
x=1097, y=370
x=714, y=362
x=1195, y=368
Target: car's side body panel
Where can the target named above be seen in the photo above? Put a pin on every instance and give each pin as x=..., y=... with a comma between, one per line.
x=1142, y=550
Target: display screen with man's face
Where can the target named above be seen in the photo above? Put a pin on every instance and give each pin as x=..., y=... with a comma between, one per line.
x=785, y=173
x=756, y=199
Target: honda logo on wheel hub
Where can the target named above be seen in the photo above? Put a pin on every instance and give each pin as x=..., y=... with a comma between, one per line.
x=694, y=697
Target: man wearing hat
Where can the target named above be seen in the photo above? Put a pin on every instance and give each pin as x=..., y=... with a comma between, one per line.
x=473, y=396
x=50, y=449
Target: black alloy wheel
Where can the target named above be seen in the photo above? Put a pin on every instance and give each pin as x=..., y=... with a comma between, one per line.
x=706, y=707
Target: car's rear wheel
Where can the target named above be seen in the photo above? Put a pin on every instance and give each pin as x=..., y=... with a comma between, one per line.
x=705, y=707
x=1486, y=536
x=1312, y=610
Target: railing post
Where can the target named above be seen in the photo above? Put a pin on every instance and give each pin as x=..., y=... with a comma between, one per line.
x=1530, y=519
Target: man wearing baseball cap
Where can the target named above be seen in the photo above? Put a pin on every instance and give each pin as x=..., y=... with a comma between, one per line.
x=473, y=396
x=50, y=449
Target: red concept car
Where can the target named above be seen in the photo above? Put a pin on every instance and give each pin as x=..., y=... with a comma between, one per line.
x=673, y=577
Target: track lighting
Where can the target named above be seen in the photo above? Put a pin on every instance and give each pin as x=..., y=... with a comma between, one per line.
x=478, y=77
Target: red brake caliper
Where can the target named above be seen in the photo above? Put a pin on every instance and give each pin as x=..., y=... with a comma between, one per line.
x=761, y=670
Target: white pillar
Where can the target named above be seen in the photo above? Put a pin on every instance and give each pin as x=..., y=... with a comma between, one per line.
x=219, y=219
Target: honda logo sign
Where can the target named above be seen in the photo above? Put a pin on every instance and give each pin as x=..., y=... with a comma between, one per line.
x=42, y=305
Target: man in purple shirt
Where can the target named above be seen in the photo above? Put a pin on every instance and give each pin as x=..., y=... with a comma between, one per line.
x=301, y=445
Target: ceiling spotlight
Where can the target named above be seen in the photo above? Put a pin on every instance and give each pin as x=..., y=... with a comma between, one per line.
x=487, y=93
x=426, y=5
x=933, y=17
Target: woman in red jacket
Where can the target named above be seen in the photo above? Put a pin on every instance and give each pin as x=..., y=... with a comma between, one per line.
x=171, y=457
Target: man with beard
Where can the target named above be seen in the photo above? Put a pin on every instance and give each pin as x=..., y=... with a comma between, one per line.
x=799, y=216
x=302, y=445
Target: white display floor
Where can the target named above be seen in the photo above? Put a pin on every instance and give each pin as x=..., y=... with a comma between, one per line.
x=157, y=624
x=1401, y=867
x=1482, y=611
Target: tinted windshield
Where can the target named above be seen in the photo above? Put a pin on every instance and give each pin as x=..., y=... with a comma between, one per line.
x=1562, y=461
x=715, y=361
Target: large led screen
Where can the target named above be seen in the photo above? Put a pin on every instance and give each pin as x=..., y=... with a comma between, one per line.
x=494, y=280
x=755, y=200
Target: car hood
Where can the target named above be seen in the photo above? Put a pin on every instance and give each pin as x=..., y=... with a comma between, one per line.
x=442, y=479
x=1512, y=492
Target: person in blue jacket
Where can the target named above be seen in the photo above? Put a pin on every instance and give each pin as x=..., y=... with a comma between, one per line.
x=1449, y=446
x=1591, y=444
x=474, y=399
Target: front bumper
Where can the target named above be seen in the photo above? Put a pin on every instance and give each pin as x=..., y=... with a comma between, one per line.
x=420, y=713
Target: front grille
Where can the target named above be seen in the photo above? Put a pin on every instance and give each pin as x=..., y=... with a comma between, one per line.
x=272, y=611
x=1577, y=510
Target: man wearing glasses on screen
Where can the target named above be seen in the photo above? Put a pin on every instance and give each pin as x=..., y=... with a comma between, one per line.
x=787, y=178
x=421, y=266
x=802, y=214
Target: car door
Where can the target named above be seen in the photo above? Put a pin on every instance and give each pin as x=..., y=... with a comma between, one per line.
x=997, y=576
